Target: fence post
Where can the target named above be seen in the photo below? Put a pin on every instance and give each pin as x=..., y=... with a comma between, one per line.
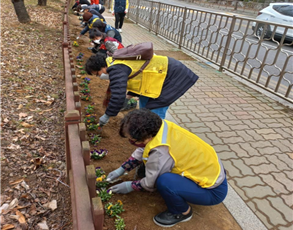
x=227, y=43
x=91, y=180
x=86, y=152
x=82, y=131
x=182, y=27
x=137, y=12
x=158, y=18
x=236, y=4
x=98, y=213
x=151, y=15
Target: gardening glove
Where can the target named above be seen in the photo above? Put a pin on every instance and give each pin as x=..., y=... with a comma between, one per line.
x=123, y=188
x=103, y=120
x=77, y=37
x=115, y=174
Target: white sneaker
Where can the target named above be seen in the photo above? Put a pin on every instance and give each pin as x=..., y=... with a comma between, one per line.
x=120, y=30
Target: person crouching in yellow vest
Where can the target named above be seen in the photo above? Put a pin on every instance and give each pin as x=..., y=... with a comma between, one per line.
x=161, y=83
x=181, y=166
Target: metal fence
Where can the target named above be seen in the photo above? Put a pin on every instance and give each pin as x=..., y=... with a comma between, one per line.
x=246, y=47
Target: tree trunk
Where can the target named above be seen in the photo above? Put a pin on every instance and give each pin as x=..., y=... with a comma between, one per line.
x=42, y=2
x=20, y=11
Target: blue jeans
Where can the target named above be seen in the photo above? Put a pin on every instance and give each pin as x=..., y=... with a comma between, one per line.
x=160, y=111
x=177, y=191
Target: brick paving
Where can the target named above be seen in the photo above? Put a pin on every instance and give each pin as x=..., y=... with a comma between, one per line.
x=251, y=133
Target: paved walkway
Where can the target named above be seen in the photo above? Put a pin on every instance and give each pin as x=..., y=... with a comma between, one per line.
x=251, y=133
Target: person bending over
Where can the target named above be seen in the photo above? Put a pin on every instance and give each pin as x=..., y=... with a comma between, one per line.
x=179, y=165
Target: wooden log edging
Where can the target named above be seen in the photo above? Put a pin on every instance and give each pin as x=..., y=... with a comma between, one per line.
x=87, y=209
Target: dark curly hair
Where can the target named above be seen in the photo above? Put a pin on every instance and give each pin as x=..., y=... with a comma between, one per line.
x=96, y=33
x=95, y=63
x=99, y=25
x=140, y=124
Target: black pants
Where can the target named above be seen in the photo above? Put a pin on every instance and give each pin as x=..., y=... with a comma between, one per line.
x=119, y=18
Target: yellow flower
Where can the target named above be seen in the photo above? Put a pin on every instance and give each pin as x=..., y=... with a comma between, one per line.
x=111, y=212
x=110, y=206
x=120, y=202
x=99, y=179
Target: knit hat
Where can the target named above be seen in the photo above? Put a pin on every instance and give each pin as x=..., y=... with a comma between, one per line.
x=87, y=16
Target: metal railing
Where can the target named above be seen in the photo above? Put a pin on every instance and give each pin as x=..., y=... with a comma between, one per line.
x=243, y=46
x=87, y=208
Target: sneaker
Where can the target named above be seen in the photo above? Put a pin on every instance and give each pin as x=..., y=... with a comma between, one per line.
x=168, y=219
x=120, y=30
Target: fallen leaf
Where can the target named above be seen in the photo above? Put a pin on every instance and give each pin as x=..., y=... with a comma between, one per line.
x=16, y=182
x=21, y=218
x=19, y=107
x=52, y=205
x=21, y=115
x=28, y=96
x=26, y=125
x=15, y=139
x=7, y=227
x=37, y=161
x=13, y=146
x=6, y=120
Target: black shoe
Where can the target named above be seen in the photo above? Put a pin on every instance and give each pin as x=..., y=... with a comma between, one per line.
x=167, y=219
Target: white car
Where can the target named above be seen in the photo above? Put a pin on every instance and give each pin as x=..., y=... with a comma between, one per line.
x=280, y=13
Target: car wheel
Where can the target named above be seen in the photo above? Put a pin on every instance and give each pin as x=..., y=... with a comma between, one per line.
x=262, y=28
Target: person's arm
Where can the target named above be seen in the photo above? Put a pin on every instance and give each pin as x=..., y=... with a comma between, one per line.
x=159, y=162
x=85, y=29
x=111, y=33
x=110, y=46
x=118, y=75
x=133, y=161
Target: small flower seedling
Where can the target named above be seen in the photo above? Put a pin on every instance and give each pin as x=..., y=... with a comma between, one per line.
x=90, y=118
x=104, y=194
x=114, y=209
x=89, y=109
x=95, y=139
x=75, y=44
x=101, y=182
x=92, y=127
x=85, y=91
x=98, y=154
x=83, y=72
x=99, y=172
x=119, y=223
x=86, y=97
x=86, y=79
x=84, y=84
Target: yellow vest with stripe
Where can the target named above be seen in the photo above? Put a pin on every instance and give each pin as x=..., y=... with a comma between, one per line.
x=150, y=82
x=93, y=21
x=194, y=158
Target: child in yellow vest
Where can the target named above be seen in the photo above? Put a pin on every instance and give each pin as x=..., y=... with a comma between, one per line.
x=172, y=156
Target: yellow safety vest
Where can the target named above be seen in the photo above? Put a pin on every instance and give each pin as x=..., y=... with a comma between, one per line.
x=150, y=82
x=194, y=158
x=93, y=21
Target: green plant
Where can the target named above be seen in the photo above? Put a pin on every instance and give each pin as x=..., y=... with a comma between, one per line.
x=99, y=172
x=119, y=223
x=92, y=126
x=90, y=118
x=86, y=97
x=84, y=84
x=83, y=72
x=98, y=154
x=95, y=139
x=101, y=182
x=85, y=91
x=104, y=194
x=114, y=209
x=89, y=109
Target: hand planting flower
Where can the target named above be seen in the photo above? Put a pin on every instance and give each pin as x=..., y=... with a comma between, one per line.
x=119, y=223
x=95, y=139
x=98, y=154
x=104, y=194
x=114, y=209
